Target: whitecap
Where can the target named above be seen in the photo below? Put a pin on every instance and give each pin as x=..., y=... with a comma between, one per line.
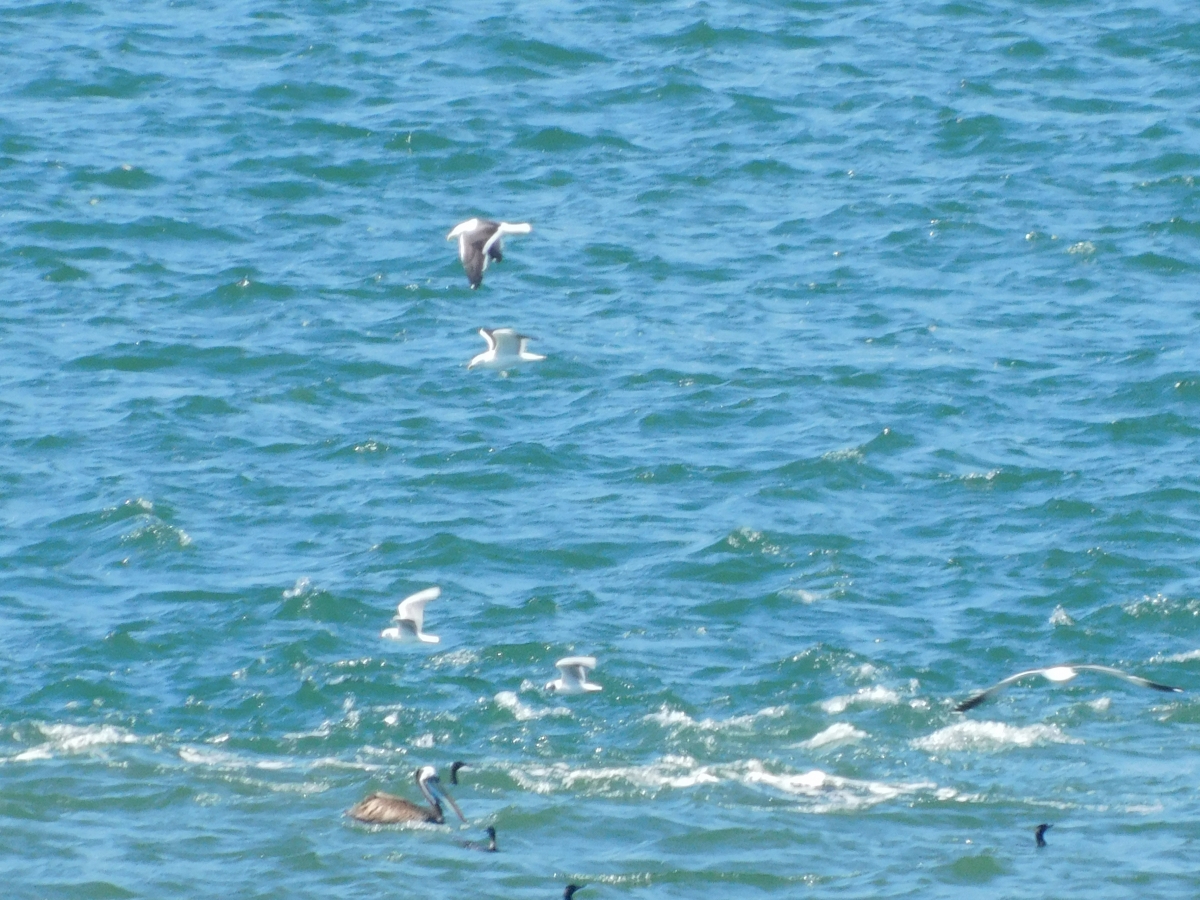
x=673, y=718
x=301, y=586
x=833, y=793
x=668, y=772
x=73, y=739
x=872, y=696
x=522, y=713
x=1060, y=617
x=1178, y=657
x=973, y=735
x=837, y=733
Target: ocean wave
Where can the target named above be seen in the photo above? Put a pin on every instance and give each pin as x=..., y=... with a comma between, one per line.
x=833, y=793
x=972, y=735
x=676, y=719
x=837, y=733
x=872, y=696
x=523, y=713
x=62, y=738
x=820, y=791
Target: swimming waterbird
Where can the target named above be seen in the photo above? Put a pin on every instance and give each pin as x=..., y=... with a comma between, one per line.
x=387, y=809
x=505, y=347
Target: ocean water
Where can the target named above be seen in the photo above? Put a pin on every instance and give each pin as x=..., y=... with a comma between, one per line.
x=873, y=377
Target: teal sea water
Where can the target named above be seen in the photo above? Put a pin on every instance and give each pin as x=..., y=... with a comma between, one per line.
x=873, y=377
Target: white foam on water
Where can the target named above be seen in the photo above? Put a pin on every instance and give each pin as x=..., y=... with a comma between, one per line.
x=817, y=791
x=302, y=584
x=1060, y=617
x=62, y=738
x=1177, y=657
x=833, y=793
x=523, y=713
x=836, y=734
x=679, y=720
x=668, y=772
x=872, y=696
x=973, y=735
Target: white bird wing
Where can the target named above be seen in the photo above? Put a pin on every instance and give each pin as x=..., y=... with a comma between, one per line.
x=523, y=350
x=503, y=228
x=490, y=337
x=576, y=668
x=976, y=699
x=1132, y=679
x=507, y=342
x=412, y=608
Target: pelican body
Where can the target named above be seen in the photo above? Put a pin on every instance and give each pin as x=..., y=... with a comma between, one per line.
x=480, y=240
x=410, y=618
x=1061, y=674
x=574, y=676
x=388, y=809
x=505, y=348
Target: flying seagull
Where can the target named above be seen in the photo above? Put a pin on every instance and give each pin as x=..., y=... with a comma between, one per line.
x=505, y=348
x=388, y=809
x=1060, y=674
x=480, y=240
x=410, y=616
x=1040, y=834
x=573, y=679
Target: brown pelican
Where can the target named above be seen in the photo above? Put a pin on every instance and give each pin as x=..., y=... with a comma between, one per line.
x=479, y=241
x=1040, y=834
x=489, y=847
x=1060, y=674
x=388, y=809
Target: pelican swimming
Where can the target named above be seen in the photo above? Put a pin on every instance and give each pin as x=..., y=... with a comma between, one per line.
x=1061, y=674
x=388, y=809
x=489, y=847
x=1040, y=834
x=480, y=240
x=505, y=347
x=574, y=674
x=410, y=617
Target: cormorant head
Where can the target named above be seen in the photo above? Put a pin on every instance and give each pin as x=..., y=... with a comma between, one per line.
x=1040, y=834
x=571, y=889
x=454, y=767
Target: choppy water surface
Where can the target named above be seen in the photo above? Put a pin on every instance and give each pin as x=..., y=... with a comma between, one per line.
x=873, y=377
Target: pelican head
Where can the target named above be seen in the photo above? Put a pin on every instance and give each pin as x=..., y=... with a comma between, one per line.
x=431, y=787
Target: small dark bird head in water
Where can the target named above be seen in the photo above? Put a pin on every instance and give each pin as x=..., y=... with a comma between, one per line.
x=454, y=767
x=489, y=847
x=1040, y=834
x=571, y=889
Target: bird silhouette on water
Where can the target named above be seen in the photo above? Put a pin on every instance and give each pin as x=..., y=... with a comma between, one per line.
x=1040, y=834
x=570, y=889
x=489, y=847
